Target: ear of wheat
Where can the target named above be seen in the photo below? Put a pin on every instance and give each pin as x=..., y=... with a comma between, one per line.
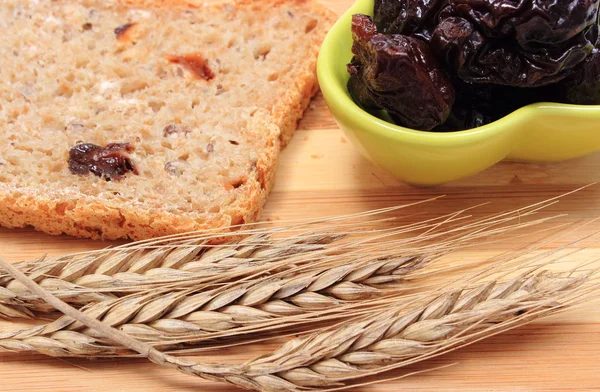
x=172, y=316
x=348, y=278
x=395, y=338
x=378, y=341
x=112, y=273
x=100, y=276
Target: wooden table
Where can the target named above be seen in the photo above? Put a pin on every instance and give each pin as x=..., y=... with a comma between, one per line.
x=321, y=174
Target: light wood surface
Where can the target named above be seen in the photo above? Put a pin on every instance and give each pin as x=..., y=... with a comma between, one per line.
x=321, y=174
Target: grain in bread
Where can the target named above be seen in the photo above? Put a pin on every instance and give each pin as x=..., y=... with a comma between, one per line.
x=204, y=96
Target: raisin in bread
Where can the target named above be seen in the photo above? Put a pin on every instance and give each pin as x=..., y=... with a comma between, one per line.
x=134, y=119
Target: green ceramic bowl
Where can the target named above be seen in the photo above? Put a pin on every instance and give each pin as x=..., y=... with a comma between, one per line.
x=541, y=132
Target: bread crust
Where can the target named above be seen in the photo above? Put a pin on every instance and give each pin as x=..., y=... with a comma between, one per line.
x=97, y=220
x=92, y=219
x=292, y=106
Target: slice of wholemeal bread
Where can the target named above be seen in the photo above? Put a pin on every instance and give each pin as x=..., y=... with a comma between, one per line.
x=134, y=119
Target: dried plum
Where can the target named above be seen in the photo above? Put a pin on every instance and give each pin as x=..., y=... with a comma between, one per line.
x=583, y=87
x=477, y=104
x=358, y=89
x=408, y=17
x=473, y=107
x=530, y=22
x=446, y=65
x=480, y=59
x=110, y=162
x=401, y=76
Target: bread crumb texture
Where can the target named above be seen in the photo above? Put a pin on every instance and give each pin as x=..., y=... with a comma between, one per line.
x=203, y=94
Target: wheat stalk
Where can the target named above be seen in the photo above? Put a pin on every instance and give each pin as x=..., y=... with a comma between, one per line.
x=106, y=275
x=380, y=335
x=103, y=275
x=100, y=276
x=169, y=317
x=394, y=338
x=333, y=359
x=142, y=260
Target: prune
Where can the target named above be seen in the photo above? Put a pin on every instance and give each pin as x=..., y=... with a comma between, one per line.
x=471, y=109
x=358, y=89
x=455, y=41
x=110, y=162
x=530, y=22
x=480, y=59
x=400, y=75
x=408, y=17
x=477, y=105
x=490, y=57
x=583, y=87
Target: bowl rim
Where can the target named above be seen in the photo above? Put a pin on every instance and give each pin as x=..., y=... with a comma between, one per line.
x=327, y=64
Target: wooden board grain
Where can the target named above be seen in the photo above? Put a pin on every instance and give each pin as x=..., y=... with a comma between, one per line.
x=321, y=174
